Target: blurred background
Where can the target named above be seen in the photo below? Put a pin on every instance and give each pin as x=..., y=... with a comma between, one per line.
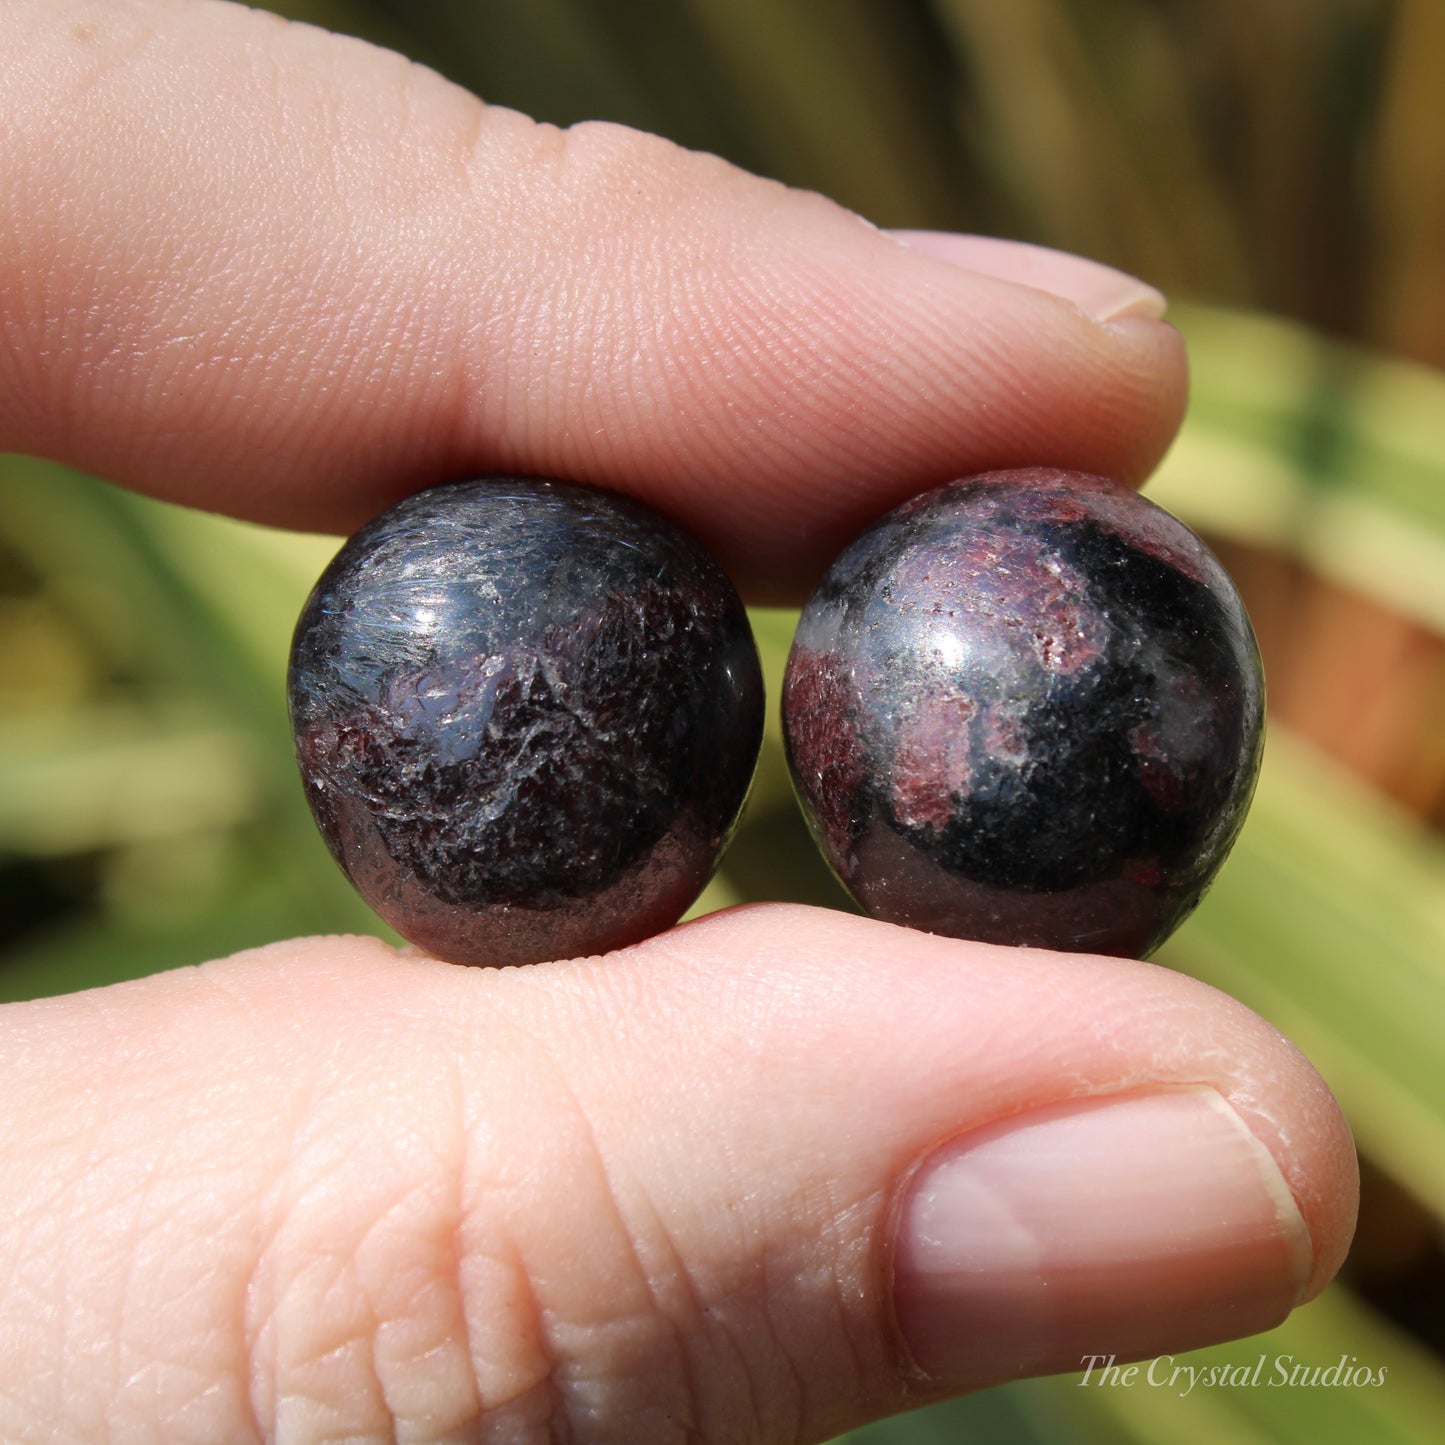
x=1277, y=166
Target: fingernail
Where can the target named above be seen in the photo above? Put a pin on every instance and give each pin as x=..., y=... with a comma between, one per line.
x=1098, y=290
x=1126, y=1226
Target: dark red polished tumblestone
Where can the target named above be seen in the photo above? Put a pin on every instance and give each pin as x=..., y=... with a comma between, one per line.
x=1027, y=707
x=526, y=714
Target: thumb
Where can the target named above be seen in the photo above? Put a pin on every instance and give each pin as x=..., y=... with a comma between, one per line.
x=266, y=270
x=765, y=1177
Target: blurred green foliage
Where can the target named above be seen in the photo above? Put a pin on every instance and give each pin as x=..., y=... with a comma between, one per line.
x=1287, y=157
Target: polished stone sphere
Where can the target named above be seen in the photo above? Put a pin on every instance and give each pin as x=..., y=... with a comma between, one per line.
x=1027, y=708
x=526, y=714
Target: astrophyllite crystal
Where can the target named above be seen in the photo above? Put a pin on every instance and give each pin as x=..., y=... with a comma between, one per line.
x=1027, y=708
x=526, y=714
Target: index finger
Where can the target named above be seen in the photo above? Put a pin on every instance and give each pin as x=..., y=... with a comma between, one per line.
x=260, y=269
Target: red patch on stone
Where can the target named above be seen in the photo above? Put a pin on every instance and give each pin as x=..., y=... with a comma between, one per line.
x=932, y=762
x=1034, y=591
x=819, y=705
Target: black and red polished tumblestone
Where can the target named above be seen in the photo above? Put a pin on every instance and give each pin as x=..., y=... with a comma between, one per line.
x=526, y=714
x=1026, y=708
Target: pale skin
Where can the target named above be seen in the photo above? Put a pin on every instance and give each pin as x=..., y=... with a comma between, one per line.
x=325, y=1192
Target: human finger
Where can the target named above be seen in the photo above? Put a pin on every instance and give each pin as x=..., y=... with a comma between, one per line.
x=764, y=1177
x=261, y=269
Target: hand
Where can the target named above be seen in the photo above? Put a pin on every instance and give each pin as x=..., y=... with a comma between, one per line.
x=763, y=1178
